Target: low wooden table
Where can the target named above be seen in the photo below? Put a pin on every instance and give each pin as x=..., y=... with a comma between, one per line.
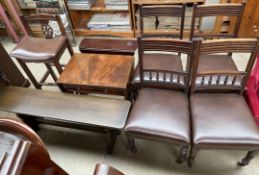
x=97, y=73
x=108, y=46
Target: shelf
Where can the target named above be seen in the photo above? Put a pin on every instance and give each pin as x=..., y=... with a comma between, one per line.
x=82, y=30
x=99, y=6
x=165, y=1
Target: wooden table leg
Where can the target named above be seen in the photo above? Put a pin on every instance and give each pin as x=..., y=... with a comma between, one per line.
x=112, y=140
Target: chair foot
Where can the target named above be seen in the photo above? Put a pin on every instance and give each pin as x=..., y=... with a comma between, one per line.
x=246, y=160
x=193, y=155
x=132, y=145
x=184, y=149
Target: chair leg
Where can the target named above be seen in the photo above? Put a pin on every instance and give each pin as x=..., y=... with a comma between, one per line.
x=70, y=49
x=29, y=74
x=132, y=145
x=52, y=73
x=246, y=160
x=184, y=149
x=58, y=66
x=192, y=156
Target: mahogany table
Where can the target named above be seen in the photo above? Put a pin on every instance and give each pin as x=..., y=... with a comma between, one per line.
x=108, y=46
x=97, y=73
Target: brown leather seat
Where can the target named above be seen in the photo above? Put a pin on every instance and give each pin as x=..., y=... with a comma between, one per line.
x=216, y=63
x=38, y=49
x=162, y=114
x=160, y=62
x=222, y=120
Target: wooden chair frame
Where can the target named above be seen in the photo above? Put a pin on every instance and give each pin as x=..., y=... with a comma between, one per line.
x=44, y=19
x=166, y=45
x=219, y=46
x=162, y=10
x=230, y=9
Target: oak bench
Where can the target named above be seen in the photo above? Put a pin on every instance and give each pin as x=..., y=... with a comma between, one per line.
x=66, y=110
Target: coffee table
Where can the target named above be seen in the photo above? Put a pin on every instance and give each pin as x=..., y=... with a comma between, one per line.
x=97, y=73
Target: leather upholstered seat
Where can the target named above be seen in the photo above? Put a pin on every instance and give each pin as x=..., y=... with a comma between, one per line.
x=38, y=49
x=222, y=119
x=160, y=113
x=168, y=62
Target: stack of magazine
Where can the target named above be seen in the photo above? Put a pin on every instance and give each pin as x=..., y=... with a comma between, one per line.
x=116, y=4
x=48, y=6
x=106, y=21
x=80, y=4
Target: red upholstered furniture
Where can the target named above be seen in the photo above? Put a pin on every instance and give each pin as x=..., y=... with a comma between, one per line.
x=252, y=91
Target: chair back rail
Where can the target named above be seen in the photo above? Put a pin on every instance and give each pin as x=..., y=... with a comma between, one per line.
x=172, y=79
x=43, y=20
x=177, y=11
x=228, y=80
x=229, y=9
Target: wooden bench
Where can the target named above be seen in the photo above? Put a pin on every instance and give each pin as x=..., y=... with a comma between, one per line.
x=66, y=110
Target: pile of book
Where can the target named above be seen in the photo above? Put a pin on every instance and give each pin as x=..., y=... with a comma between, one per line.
x=24, y=4
x=80, y=4
x=116, y=4
x=107, y=21
x=48, y=6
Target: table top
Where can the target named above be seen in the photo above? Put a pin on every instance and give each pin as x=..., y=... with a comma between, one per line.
x=98, y=70
x=80, y=110
x=13, y=152
x=109, y=46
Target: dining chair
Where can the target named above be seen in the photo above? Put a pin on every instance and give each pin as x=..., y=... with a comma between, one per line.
x=215, y=62
x=232, y=10
x=161, y=109
x=223, y=120
x=164, y=61
x=46, y=50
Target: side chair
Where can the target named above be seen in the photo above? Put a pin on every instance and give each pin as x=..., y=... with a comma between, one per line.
x=161, y=109
x=223, y=120
x=46, y=50
x=164, y=61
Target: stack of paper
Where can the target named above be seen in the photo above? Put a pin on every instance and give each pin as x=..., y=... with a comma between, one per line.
x=80, y=4
x=116, y=4
x=104, y=21
x=26, y=4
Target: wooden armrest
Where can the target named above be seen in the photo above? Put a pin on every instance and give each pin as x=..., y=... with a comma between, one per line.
x=102, y=169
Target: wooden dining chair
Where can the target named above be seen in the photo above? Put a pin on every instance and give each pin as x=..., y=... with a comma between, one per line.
x=161, y=110
x=223, y=120
x=156, y=11
x=46, y=50
x=232, y=10
x=215, y=62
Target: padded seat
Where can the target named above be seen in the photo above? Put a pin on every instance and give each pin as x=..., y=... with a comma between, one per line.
x=38, y=49
x=208, y=63
x=222, y=120
x=160, y=113
x=158, y=62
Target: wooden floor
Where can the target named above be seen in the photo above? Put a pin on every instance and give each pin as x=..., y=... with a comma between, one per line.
x=78, y=151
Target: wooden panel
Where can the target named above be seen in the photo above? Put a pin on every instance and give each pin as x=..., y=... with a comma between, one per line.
x=84, y=110
x=250, y=19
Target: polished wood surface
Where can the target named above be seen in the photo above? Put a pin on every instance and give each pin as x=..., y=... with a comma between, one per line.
x=108, y=46
x=100, y=71
x=84, y=110
x=165, y=1
x=13, y=152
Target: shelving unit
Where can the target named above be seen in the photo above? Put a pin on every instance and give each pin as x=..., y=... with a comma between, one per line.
x=80, y=18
